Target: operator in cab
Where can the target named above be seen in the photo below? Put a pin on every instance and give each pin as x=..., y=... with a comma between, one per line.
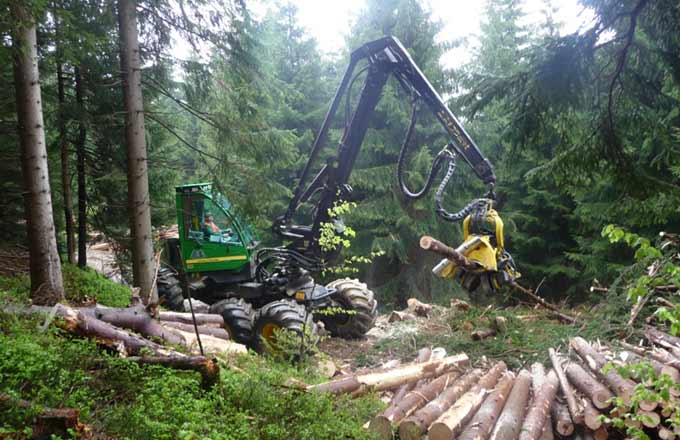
x=209, y=226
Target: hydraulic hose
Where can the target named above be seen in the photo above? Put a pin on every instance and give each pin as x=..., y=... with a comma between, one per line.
x=474, y=205
x=436, y=164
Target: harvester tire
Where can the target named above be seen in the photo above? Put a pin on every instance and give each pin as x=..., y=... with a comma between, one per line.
x=355, y=296
x=238, y=318
x=170, y=290
x=283, y=314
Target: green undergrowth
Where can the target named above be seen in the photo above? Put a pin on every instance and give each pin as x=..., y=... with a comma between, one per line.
x=121, y=399
x=82, y=286
x=530, y=332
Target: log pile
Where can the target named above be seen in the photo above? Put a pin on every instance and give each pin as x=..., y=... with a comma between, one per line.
x=446, y=398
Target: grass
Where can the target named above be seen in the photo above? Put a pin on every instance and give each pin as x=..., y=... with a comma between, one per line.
x=119, y=398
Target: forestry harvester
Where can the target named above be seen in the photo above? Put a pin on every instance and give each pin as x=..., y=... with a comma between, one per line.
x=216, y=257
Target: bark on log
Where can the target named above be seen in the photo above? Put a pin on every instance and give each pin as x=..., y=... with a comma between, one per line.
x=207, y=368
x=658, y=337
x=137, y=318
x=596, y=361
x=454, y=419
x=382, y=424
x=185, y=318
x=589, y=386
x=415, y=426
x=591, y=416
x=202, y=329
x=387, y=380
x=562, y=419
x=433, y=245
x=510, y=421
x=484, y=420
x=211, y=344
x=423, y=355
x=538, y=380
x=552, y=309
x=565, y=386
x=540, y=407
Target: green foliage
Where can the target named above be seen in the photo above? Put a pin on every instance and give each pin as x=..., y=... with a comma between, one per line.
x=89, y=286
x=651, y=387
x=128, y=401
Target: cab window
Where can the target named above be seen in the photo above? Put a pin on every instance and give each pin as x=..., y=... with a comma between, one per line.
x=206, y=222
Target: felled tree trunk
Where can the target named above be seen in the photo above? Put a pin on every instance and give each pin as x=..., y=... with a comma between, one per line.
x=387, y=380
x=484, y=420
x=589, y=386
x=537, y=382
x=208, y=368
x=422, y=356
x=510, y=421
x=212, y=320
x=415, y=426
x=136, y=318
x=454, y=419
x=202, y=329
x=532, y=427
x=382, y=423
x=565, y=386
x=596, y=361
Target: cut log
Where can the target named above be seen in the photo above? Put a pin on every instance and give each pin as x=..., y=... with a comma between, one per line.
x=382, y=424
x=596, y=361
x=211, y=344
x=387, y=380
x=510, y=421
x=565, y=386
x=415, y=426
x=396, y=316
x=136, y=318
x=62, y=422
x=484, y=420
x=452, y=421
x=591, y=416
x=537, y=382
x=600, y=433
x=540, y=407
x=423, y=355
x=202, y=329
x=660, y=338
x=419, y=308
x=208, y=368
x=201, y=318
x=561, y=419
x=666, y=434
x=433, y=245
x=649, y=419
x=480, y=334
x=589, y=386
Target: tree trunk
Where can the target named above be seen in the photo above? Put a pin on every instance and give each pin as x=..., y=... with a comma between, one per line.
x=565, y=386
x=484, y=420
x=64, y=149
x=510, y=421
x=387, y=380
x=591, y=416
x=415, y=426
x=537, y=415
x=202, y=329
x=47, y=286
x=454, y=419
x=80, y=164
x=589, y=386
x=139, y=206
x=209, y=319
x=382, y=423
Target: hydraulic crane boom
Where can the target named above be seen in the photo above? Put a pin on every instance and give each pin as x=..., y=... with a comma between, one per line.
x=384, y=57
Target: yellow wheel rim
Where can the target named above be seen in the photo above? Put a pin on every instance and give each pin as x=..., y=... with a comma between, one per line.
x=268, y=331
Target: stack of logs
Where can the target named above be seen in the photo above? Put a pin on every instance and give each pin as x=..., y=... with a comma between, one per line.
x=444, y=398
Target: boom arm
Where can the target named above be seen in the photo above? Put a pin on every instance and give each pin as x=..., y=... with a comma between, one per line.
x=385, y=56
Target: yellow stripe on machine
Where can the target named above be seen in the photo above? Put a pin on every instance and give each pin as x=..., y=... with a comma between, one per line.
x=217, y=259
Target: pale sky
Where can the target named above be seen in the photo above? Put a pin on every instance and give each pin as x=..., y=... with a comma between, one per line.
x=329, y=20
